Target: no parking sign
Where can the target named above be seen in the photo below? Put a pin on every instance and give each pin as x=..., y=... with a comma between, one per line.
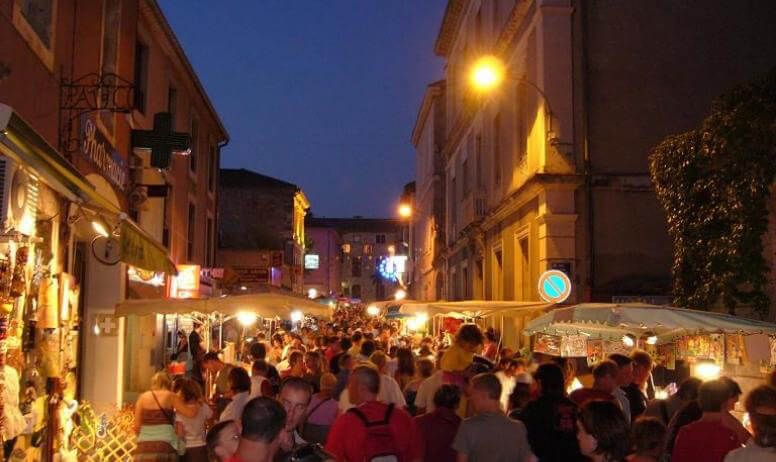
x=554, y=286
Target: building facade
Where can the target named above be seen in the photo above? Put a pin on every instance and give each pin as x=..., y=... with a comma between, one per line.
x=428, y=218
x=550, y=170
x=366, y=268
x=77, y=81
x=322, y=268
x=261, y=232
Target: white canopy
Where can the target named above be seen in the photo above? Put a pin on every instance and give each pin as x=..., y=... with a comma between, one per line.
x=265, y=305
x=608, y=320
x=469, y=308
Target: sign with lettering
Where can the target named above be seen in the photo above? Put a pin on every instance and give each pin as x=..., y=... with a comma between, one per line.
x=186, y=283
x=252, y=274
x=101, y=154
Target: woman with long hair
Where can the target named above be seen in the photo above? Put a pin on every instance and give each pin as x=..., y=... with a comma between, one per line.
x=602, y=432
x=193, y=428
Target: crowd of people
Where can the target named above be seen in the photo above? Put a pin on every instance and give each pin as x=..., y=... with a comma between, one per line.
x=353, y=389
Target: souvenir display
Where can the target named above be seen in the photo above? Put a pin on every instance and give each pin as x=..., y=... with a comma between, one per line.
x=734, y=349
x=547, y=344
x=772, y=343
x=595, y=352
x=717, y=347
x=666, y=355
x=573, y=346
x=18, y=280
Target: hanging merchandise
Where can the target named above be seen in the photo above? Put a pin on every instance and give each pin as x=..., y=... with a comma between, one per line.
x=48, y=306
x=595, y=352
x=18, y=280
x=666, y=355
x=5, y=277
x=734, y=349
x=573, y=346
x=547, y=344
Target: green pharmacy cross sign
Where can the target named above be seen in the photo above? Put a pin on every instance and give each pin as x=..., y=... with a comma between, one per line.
x=162, y=140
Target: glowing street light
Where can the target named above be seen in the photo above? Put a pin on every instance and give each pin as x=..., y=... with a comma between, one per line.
x=405, y=210
x=296, y=316
x=372, y=310
x=312, y=293
x=400, y=294
x=487, y=73
x=247, y=318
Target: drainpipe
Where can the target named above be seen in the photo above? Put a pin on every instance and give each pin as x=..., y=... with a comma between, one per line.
x=217, y=215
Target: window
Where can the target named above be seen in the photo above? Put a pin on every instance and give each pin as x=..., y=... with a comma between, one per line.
x=111, y=24
x=355, y=267
x=194, y=143
x=453, y=206
x=497, y=149
x=368, y=249
x=355, y=291
x=521, y=129
x=213, y=172
x=141, y=76
x=191, y=231
x=172, y=104
x=209, y=257
x=478, y=159
x=345, y=248
x=380, y=239
x=34, y=19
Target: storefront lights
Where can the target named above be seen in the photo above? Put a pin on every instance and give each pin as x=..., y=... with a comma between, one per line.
x=100, y=228
x=707, y=369
x=296, y=316
x=312, y=293
x=651, y=338
x=247, y=318
x=372, y=310
x=628, y=340
x=400, y=294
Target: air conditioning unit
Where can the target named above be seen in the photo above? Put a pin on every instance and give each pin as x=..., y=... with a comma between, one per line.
x=18, y=197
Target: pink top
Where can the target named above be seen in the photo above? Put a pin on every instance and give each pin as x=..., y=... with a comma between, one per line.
x=325, y=414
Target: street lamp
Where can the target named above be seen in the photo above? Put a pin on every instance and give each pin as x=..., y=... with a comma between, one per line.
x=405, y=210
x=400, y=294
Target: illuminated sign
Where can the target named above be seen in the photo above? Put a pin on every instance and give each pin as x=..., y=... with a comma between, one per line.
x=554, y=286
x=311, y=261
x=392, y=267
x=186, y=283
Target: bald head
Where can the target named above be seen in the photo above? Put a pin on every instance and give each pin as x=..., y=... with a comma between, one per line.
x=364, y=384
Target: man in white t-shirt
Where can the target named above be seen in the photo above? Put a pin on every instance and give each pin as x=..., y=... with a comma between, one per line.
x=424, y=400
x=390, y=392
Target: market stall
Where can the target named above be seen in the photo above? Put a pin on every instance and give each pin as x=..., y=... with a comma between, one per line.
x=702, y=343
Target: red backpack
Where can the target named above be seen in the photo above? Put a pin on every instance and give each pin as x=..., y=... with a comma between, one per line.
x=379, y=445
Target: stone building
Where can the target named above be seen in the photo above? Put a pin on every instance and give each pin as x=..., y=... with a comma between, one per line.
x=550, y=169
x=261, y=233
x=322, y=268
x=365, y=243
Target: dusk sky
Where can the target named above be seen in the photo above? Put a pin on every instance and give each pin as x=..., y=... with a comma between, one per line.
x=323, y=94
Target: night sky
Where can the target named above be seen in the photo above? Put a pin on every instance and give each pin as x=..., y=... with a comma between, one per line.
x=320, y=93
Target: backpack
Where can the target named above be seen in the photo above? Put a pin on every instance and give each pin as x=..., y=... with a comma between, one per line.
x=379, y=445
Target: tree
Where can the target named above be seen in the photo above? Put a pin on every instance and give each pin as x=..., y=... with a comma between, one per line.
x=714, y=184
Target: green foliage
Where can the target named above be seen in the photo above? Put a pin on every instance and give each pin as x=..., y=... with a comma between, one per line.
x=714, y=184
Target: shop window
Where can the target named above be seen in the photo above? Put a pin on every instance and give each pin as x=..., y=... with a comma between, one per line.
x=141, y=76
x=191, y=232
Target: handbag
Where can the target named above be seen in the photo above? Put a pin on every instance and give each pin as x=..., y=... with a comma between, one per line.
x=178, y=443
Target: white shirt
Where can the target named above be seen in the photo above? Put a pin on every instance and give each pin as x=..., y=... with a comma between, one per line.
x=14, y=420
x=234, y=410
x=425, y=397
x=389, y=393
x=751, y=453
x=195, y=426
x=256, y=382
x=507, y=385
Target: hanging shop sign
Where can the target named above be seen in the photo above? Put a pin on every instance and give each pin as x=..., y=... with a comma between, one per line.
x=311, y=261
x=554, y=286
x=107, y=250
x=186, y=283
x=101, y=154
x=255, y=274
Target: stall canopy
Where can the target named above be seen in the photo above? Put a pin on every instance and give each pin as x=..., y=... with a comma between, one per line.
x=611, y=321
x=469, y=308
x=265, y=305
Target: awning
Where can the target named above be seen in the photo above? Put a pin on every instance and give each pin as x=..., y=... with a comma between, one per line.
x=471, y=308
x=612, y=321
x=265, y=305
x=20, y=142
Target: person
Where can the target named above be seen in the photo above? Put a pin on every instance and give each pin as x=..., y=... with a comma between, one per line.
x=666, y=409
x=222, y=440
x=240, y=392
x=345, y=366
x=295, y=365
x=708, y=438
x=687, y=414
x=439, y=427
x=13, y=423
x=321, y=412
x=372, y=428
x=295, y=395
x=507, y=368
x=425, y=369
x=636, y=391
x=603, y=432
x=550, y=419
x=761, y=406
x=490, y=345
x=262, y=422
x=356, y=340
x=520, y=396
x=365, y=352
x=727, y=418
x=604, y=384
x=212, y=364
x=193, y=428
x=647, y=438
x=624, y=378
x=154, y=423
x=389, y=390
x=181, y=353
x=260, y=384
x=313, y=370
x=405, y=367
x=196, y=353
x=569, y=368
x=489, y=434
x=258, y=352
x=276, y=349
x=424, y=399
x=334, y=362
x=459, y=356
